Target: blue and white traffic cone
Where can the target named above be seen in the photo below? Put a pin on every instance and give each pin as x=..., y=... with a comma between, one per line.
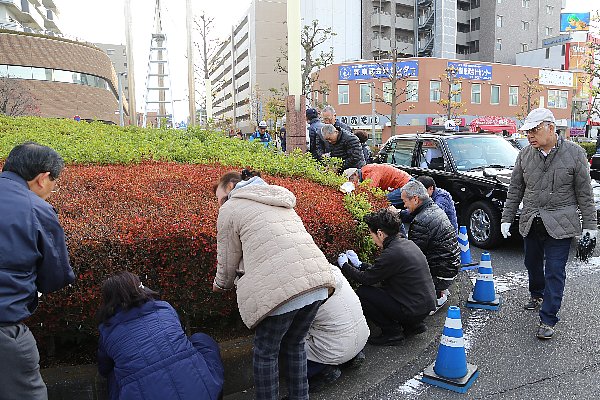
x=465, y=252
x=484, y=293
x=450, y=369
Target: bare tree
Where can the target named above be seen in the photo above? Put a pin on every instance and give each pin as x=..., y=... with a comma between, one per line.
x=450, y=94
x=15, y=99
x=208, y=48
x=312, y=36
x=532, y=87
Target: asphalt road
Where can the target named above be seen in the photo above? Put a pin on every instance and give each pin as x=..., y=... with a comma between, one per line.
x=513, y=363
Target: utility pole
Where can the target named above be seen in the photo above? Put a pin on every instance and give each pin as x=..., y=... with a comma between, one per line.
x=190, y=57
x=133, y=120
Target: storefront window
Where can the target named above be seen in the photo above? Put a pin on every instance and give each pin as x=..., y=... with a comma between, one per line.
x=476, y=93
x=434, y=91
x=365, y=93
x=412, y=91
x=495, y=98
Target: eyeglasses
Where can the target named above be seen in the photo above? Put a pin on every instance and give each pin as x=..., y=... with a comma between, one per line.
x=537, y=129
x=56, y=187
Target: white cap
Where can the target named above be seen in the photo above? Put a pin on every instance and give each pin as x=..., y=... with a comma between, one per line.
x=349, y=172
x=536, y=117
x=262, y=124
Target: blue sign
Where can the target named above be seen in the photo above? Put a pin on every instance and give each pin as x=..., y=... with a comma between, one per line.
x=478, y=72
x=377, y=70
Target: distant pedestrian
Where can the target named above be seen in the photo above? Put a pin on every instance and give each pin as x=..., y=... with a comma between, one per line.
x=317, y=146
x=143, y=351
x=282, y=138
x=396, y=292
x=551, y=179
x=367, y=152
x=284, y=280
x=345, y=146
x=261, y=134
x=383, y=176
x=33, y=258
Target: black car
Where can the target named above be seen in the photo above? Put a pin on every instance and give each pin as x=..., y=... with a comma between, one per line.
x=474, y=168
x=518, y=143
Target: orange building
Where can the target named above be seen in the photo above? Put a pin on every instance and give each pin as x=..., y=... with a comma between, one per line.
x=484, y=89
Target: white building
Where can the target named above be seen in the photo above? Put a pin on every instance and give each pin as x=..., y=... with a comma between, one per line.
x=34, y=16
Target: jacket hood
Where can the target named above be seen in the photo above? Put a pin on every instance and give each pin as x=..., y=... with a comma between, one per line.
x=258, y=190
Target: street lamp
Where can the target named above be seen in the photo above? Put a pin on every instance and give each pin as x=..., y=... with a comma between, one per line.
x=120, y=90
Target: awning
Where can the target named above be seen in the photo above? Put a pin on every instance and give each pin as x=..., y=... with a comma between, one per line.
x=493, y=124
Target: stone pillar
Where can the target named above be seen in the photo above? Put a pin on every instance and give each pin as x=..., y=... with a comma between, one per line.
x=295, y=124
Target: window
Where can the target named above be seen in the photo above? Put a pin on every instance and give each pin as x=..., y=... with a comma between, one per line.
x=525, y=25
x=498, y=44
x=16, y=71
x=525, y=3
x=524, y=47
x=434, y=91
x=562, y=50
x=499, y=21
x=547, y=53
x=513, y=96
x=557, y=98
x=456, y=92
x=110, y=52
x=473, y=46
x=476, y=93
x=412, y=91
x=475, y=4
x=401, y=152
x=343, y=96
x=325, y=96
x=549, y=10
x=495, y=98
x=365, y=93
x=387, y=92
x=430, y=156
x=499, y=1
x=476, y=24
x=549, y=31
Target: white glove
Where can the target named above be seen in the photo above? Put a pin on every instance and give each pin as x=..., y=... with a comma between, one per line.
x=505, y=229
x=593, y=233
x=342, y=259
x=353, y=257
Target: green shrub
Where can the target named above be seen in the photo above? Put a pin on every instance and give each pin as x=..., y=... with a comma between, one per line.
x=589, y=147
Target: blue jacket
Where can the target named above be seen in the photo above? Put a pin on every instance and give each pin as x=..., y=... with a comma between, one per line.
x=146, y=355
x=444, y=200
x=317, y=146
x=33, y=253
x=265, y=139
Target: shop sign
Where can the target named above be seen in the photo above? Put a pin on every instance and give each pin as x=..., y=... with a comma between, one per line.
x=477, y=72
x=377, y=70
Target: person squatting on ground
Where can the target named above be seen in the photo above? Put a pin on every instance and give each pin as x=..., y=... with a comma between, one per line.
x=362, y=138
x=285, y=276
x=337, y=335
x=33, y=258
x=261, y=134
x=328, y=116
x=317, y=146
x=144, y=352
x=345, y=146
x=383, y=176
x=432, y=231
x=552, y=180
x=396, y=292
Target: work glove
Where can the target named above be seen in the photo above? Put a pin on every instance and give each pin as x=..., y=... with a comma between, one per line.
x=342, y=259
x=353, y=257
x=593, y=233
x=505, y=229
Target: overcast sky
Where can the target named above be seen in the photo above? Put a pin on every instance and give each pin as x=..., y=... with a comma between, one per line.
x=103, y=22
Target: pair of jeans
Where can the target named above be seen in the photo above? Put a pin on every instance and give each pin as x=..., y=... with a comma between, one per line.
x=286, y=333
x=546, y=280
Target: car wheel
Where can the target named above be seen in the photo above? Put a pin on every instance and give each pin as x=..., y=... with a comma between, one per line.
x=483, y=225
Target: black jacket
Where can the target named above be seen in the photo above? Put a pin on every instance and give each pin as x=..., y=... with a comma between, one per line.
x=317, y=145
x=432, y=231
x=403, y=272
x=348, y=148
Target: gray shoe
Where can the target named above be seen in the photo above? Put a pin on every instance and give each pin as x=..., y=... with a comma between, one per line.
x=534, y=304
x=545, y=332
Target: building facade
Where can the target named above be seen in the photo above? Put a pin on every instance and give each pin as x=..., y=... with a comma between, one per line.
x=32, y=16
x=118, y=56
x=483, y=89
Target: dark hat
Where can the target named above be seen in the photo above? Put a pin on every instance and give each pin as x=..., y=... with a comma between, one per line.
x=311, y=113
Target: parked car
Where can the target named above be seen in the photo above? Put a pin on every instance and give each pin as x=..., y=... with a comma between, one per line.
x=518, y=143
x=595, y=167
x=474, y=168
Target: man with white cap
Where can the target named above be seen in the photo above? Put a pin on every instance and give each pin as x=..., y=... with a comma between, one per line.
x=261, y=134
x=552, y=179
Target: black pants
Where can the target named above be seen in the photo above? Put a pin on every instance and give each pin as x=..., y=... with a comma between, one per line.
x=385, y=312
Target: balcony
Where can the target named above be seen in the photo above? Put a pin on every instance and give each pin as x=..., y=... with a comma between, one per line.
x=51, y=22
x=382, y=44
x=381, y=19
x=405, y=45
x=404, y=22
x=49, y=4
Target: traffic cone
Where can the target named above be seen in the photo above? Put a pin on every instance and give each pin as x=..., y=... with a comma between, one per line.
x=465, y=252
x=450, y=369
x=484, y=293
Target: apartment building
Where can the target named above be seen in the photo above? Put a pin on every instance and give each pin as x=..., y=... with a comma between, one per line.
x=32, y=16
x=118, y=56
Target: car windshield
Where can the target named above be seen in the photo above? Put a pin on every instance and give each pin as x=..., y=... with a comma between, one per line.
x=478, y=152
x=522, y=142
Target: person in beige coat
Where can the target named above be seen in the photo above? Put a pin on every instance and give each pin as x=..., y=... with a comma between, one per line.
x=284, y=280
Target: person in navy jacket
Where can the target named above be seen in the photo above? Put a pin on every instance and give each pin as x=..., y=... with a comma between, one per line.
x=144, y=352
x=33, y=258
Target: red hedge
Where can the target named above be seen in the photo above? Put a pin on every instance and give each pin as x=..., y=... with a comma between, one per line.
x=159, y=221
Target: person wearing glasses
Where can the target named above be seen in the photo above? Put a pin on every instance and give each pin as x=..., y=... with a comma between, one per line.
x=33, y=258
x=552, y=179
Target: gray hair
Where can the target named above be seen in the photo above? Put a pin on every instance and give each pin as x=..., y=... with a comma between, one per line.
x=329, y=109
x=415, y=188
x=30, y=159
x=328, y=130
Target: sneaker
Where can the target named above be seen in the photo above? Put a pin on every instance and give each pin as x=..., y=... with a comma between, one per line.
x=545, y=331
x=327, y=376
x=355, y=362
x=417, y=329
x=442, y=297
x=534, y=304
x=387, y=339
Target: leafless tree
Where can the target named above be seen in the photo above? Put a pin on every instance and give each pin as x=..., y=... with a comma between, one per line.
x=532, y=87
x=15, y=99
x=208, y=48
